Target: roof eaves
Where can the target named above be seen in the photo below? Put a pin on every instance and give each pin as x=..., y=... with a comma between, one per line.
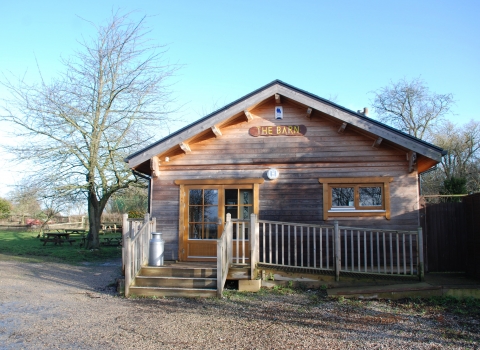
x=306, y=93
x=199, y=121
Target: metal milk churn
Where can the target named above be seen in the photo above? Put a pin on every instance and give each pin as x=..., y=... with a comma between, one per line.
x=156, y=250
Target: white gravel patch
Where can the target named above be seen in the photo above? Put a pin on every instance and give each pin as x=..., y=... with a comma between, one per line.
x=58, y=306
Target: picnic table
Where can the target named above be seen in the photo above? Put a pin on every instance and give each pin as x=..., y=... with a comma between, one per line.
x=78, y=231
x=115, y=241
x=56, y=237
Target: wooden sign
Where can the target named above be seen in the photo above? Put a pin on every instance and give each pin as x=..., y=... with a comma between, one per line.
x=278, y=130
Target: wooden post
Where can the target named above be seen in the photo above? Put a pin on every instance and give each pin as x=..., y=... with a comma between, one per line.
x=128, y=265
x=220, y=267
x=337, y=256
x=254, y=236
x=420, y=268
x=229, y=232
x=124, y=237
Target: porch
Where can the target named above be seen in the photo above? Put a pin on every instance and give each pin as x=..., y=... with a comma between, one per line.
x=248, y=248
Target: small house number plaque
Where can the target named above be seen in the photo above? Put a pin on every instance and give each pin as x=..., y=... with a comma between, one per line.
x=278, y=130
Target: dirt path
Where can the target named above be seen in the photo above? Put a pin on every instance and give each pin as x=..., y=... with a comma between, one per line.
x=57, y=306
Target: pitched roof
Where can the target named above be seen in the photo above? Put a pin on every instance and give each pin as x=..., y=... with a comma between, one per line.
x=254, y=98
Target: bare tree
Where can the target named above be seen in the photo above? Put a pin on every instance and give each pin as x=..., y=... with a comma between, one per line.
x=463, y=146
x=110, y=98
x=411, y=107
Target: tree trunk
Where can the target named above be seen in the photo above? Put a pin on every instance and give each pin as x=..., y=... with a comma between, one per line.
x=94, y=222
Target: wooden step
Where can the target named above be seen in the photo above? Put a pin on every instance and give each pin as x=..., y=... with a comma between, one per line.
x=177, y=282
x=173, y=292
x=178, y=272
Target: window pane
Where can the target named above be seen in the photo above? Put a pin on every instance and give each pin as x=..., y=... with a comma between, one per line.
x=245, y=212
x=211, y=214
x=195, y=213
x=195, y=231
x=231, y=197
x=370, y=196
x=232, y=211
x=246, y=196
x=211, y=231
x=342, y=197
x=210, y=197
x=195, y=197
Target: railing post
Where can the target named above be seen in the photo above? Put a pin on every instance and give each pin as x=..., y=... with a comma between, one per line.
x=124, y=237
x=128, y=265
x=229, y=239
x=337, y=255
x=219, y=268
x=420, y=268
x=146, y=218
x=254, y=250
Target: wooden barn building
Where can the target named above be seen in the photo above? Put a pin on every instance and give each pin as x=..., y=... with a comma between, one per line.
x=287, y=156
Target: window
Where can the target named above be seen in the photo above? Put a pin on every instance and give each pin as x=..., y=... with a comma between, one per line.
x=369, y=196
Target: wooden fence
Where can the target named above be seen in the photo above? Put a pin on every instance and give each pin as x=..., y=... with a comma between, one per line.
x=445, y=237
x=452, y=235
x=472, y=220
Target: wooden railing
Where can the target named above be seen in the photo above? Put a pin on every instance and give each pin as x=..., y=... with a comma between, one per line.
x=337, y=248
x=136, y=235
x=297, y=245
x=379, y=251
x=224, y=254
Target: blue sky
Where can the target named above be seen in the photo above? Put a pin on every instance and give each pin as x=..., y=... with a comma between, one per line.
x=340, y=50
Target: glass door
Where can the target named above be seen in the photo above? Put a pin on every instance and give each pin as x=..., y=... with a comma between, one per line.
x=204, y=215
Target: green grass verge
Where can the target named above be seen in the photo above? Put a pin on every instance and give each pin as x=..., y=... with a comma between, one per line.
x=25, y=246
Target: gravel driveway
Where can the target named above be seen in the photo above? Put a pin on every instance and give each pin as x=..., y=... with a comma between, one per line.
x=58, y=306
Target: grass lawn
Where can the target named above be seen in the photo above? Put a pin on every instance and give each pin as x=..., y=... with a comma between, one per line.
x=26, y=246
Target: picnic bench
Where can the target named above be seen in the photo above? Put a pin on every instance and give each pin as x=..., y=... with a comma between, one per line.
x=112, y=241
x=76, y=231
x=56, y=237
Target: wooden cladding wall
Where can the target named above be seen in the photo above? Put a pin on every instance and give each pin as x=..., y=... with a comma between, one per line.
x=296, y=196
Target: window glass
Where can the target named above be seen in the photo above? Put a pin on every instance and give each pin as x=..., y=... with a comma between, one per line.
x=370, y=196
x=211, y=214
x=245, y=212
x=342, y=197
x=195, y=231
x=210, y=197
x=246, y=196
x=195, y=213
x=210, y=231
x=196, y=197
x=231, y=197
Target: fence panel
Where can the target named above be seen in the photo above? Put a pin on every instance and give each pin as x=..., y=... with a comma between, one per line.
x=445, y=236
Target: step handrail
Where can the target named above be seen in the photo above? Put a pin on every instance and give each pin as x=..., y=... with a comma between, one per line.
x=136, y=236
x=224, y=254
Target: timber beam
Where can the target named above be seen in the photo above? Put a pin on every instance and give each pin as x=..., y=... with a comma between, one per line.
x=412, y=161
x=248, y=115
x=216, y=131
x=278, y=99
x=185, y=147
x=309, y=112
x=155, y=166
x=342, y=128
x=377, y=142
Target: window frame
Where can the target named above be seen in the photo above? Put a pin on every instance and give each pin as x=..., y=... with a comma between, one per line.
x=356, y=183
